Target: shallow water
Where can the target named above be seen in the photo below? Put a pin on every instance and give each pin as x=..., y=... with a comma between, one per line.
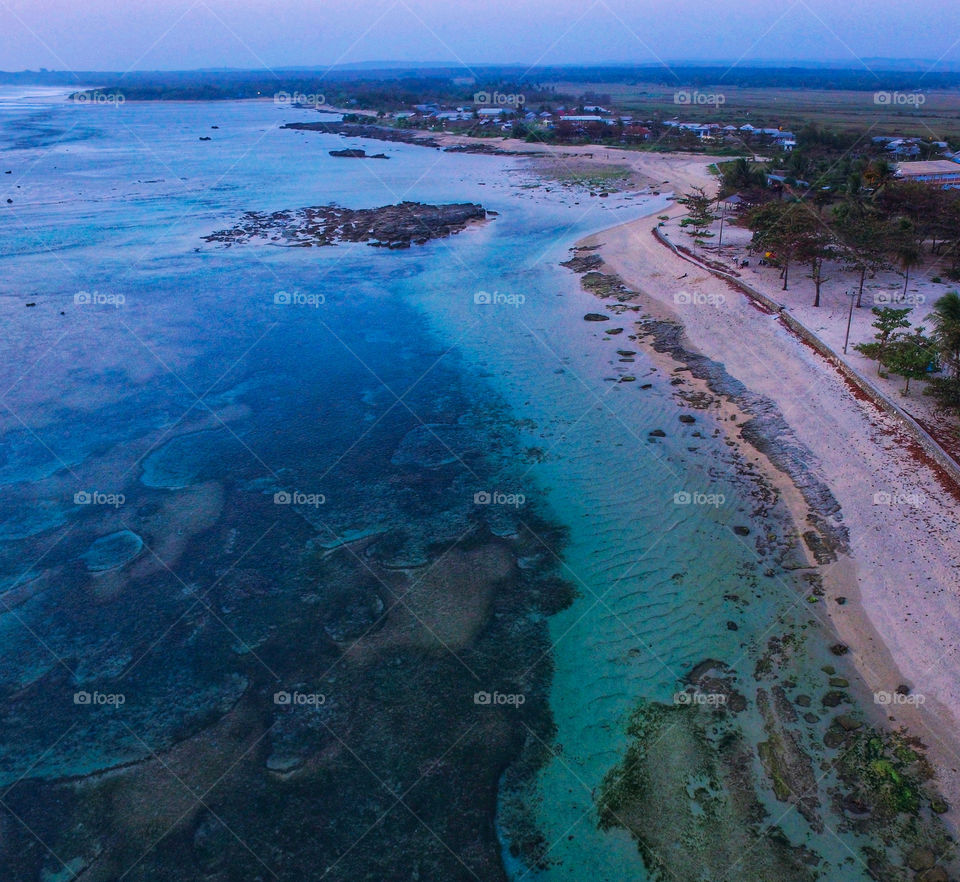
x=270, y=491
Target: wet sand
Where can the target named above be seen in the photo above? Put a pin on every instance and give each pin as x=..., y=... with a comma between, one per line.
x=889, y=594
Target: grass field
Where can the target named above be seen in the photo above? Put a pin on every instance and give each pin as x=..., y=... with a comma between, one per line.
x=936, y=118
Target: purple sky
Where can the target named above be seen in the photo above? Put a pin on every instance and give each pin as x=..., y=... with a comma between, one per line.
x=152, y=34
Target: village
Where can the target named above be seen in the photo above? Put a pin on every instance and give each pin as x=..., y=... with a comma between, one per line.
x=510, y=115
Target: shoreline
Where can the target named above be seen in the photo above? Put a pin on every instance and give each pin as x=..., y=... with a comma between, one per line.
x=630, y=252
x=870, y=582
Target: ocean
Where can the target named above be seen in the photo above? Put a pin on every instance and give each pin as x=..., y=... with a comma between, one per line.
x=358, y=563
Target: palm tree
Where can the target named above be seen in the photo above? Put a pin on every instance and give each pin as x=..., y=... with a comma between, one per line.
x=946, y=329
x=908, y=256
x=878, y=174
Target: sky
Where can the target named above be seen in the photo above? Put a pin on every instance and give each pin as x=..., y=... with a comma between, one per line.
x=122, y=35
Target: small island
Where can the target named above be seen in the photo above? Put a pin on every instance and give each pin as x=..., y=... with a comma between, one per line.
x=390, y=226
x=357, y=153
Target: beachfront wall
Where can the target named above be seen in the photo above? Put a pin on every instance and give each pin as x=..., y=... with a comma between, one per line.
x=930, y=446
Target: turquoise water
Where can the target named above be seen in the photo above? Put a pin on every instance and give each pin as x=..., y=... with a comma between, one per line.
x=283, y=499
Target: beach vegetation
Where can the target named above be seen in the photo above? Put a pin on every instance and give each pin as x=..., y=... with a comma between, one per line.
x=788, y=231
x=863, y=235
x=887, y=322
x=699, y=213
x=911, y=356
x=741, y=174
x=946, y=323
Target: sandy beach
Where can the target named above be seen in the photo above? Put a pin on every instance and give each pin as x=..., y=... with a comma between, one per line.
x=890, y=597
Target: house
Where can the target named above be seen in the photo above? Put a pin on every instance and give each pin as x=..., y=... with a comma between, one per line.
x=701, y=130
x=637, y=133
x=583, y=125
x=736, y=202
x=585, y=119
x=781, y=180
x=944, y=173
x=785, y=140
x=904, y=147
x=491, y=112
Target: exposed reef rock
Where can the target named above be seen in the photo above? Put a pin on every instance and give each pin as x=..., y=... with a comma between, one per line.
x=357, y=153
x=390, y=226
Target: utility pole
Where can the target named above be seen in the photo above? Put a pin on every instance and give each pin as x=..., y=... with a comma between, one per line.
x=851, y=295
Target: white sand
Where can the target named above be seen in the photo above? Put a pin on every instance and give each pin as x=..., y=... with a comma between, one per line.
x=902, y=616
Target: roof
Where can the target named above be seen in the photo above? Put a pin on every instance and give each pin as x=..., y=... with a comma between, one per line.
x=782, y=179
x=931, y=167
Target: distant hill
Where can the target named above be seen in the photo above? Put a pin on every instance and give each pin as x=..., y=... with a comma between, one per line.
x=423, y=81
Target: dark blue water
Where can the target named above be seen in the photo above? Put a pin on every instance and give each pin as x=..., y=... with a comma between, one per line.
x=337, y=563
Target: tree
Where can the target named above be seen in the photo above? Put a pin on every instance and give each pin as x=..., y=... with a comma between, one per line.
x=815, y=245
x=878, y=174
x=946, y=392
x=887, y=323
x=946, y=330
x=699, y=213
x=911, y=356
x=787, y=231
x=907, y=253
x=863, y=235
x=740, y=175
x=917, y=205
